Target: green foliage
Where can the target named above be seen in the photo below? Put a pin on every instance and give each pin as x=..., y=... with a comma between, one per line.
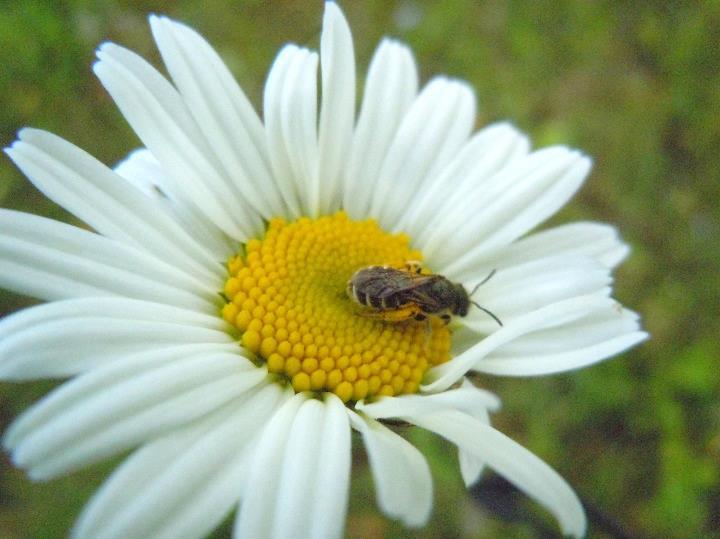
x=635, y=85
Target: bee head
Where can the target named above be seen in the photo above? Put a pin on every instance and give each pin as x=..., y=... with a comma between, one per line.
x=461, y=300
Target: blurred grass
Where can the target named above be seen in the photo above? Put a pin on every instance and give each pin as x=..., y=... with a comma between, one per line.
x=635, y=85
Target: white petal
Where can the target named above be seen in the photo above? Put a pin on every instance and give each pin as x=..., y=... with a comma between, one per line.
x=481, y=156
x=299, y=473
x=471, y=467
x=256, y=513
x=222, y=112
x=595, y=337
x=291, y=123
x=391, y=87
x=52, y=260
x=143, y=171
x=184, y=484
x=468, y=399
x=516, y=290
x=437, y=124
x=160, y=118
x=596, y=240
x=332, y=478
x=74, y=392
x=132, y=411
x=549, y=318
x=526, y=471
x=313, y=492
x=272, y=107
x=403, y=484
x=98, y=196
x=337, y=112
x=70, y=336
x=517, y=198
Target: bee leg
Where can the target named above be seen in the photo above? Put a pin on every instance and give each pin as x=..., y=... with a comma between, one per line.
x=394, y=315
x=428, y=333
x=413, y=266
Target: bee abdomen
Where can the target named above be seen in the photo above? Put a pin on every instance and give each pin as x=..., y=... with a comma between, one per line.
x=390, y=302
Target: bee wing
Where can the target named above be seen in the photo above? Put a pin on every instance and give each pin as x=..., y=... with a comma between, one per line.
x=402, y=282
x=420, y=296
x=413, y=288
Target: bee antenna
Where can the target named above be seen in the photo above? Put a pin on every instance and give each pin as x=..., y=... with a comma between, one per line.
x=486, y=279
x=488, y=312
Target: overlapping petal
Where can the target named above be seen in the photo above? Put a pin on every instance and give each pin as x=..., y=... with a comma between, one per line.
x=514, y=291
x=390, y=88
x=474, y=436
x=290, y=106
x=436, y=125
x=595, y=327
x=50, y=260
x=185, y=483
x=485, y=153
x=122, y=405
x=337, y=111
x=222, y=113
x=68, y=337
x=299, y=473
x=94, y=193
x=142, y=170
x=514, y=201
x=403, y=484
x=518, y=465
x=160, y=117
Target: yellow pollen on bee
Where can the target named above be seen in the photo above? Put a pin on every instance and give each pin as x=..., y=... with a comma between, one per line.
x=286, y=296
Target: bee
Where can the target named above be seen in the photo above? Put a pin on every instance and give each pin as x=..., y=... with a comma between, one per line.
x=395, y=295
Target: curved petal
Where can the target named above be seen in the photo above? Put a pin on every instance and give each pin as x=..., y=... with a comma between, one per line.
x=184, y=484
x=71, y=336
x=390, y=88
x=142, y=170
x=471, y=467
x=550, y=318
x=584, y=239
x=257, y=512
x=129, y=411
x=330, y=478
x=467, y=399
x=291, y=126
x=300, y=473
x=76, y=391
x=516, y=199
x=482, y=156
x=516, y=290
x=222, y=112
x=337, y=111
x=518, y=465
x=595, y=337
x=158, y=115
x=437, y=124
x=94, y=193
x=52, y=260
x=403, y=484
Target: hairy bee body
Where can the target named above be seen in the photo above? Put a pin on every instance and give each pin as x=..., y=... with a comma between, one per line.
x=400, y=294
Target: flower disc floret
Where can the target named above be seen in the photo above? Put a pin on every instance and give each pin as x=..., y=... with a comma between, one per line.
x=286, y=296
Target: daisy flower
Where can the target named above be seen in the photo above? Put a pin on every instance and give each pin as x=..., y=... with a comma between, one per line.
x=205, y=322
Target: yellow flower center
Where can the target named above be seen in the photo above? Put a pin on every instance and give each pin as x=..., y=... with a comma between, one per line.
x=286, y=296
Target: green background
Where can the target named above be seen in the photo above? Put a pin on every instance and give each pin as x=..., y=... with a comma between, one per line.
x=635, y=85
